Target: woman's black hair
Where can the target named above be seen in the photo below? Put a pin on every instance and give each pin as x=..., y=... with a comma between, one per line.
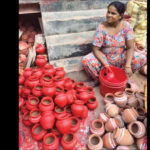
x=121, y=8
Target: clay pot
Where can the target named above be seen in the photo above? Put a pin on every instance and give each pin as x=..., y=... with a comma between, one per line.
x=123, y=148
x=108, y=141
x=95, y=142
x=47, y=120
x=90, y=91
x=97, y=127
x=40, y=61
x=68, y=141
x=142, y=143
x=61, y=100
x=77, y=108
x=21, y=79
x=49, y=69
x=142, y=113
x=26, y=92
x=21, y=102
x=68, y=84
x=109, y=98
x=26, y=120
x=32, y=81
x=32, y=102
x=129, y=115
x=85, y=112
x=120, y=98
x=137, y=129
x=59, y=89
x=34, y=116
x=75, y=124
x=38, y=72
x=50, y=142
x=103, y=117
x=68, y=109
x=46, y=79
x=58, y=111
x=59, y=81
x=123, y=136
x=71, y=97
x=112, y=124
x=24, y=108
x=37, y=90
x=38, y=132
x=140, y=98
x=60, y=72
x=40, y=49
x=49, y=90
x=84, y=96
x=46, y=104
x=92, y=103
x=64, y=124
x=120, y=120
x=145, y=122
x=27, y=72
x=80, y=87
x=111, y=109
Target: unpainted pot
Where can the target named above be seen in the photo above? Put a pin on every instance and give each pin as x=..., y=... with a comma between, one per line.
x=26, y=120
x=123, y=148
x=122, y=124
x=130, y=115
x=137, y=129
x=97, y=127
x=95, y=142
x=34, y=116
x=123, y=136
x=109, y=98
x=75, y=124
x=108, y=141
x=92, y=103
x=142, y=113
x=140, y=98
x=111, y=109
x=68, y=141
x=103, y=117
x=142, y=143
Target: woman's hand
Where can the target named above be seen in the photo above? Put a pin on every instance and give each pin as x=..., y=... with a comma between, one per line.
x=107, y=67
x=128, y=71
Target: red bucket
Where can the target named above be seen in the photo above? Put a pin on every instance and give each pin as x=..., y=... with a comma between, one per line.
x=114, y=85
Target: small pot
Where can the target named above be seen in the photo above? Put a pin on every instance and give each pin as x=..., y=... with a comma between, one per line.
x=37, y=90
x=68, y=84
x=60, y=72
x=80, y=87
x=26, y=120
x=46, y=79
x=59, y=81
x=142, y=143
x=61, y=100
x=49, y=90
x=122, y=124
x=142, y=113
x=58, y=111
x=26, y=91
x=40, y=49
x=40, y=61
x=59, y=89
x=111, y=109
x=95, y=142
x=103, y=117
x=34, y=116
x=84, y=96
x=32, y=102
x=92, y=103
x=32, y=81
x=85, y=112
x=48, y=68
x=90, y=91
x=71, y=97
x=38, y=72
x=75, y=124
x=109, y=98
x=27, y=72
x=24, y=108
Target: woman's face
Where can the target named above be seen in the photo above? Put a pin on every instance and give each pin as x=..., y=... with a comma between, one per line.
x=112, y=15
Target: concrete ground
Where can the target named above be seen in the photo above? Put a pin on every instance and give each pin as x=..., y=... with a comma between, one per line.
x=139, y=79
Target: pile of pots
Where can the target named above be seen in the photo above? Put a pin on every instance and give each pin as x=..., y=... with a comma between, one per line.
x=52, y=105
x=123, y=122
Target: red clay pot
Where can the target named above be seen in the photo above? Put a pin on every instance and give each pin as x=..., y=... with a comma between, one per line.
x=59, y=81
x=46, y=79
x=61, y=100
x=80, y=87
x=38, y=132
x=49, y=90
x=27, y=72
x=60, y=72
x=21, y=79
x=32, y=102
x=59, y=89
x=37, y=90
x=46, y=104
x=40, y=61
x=75, y=124
x=92, y=103
x=68, y=84
x=47, y=120
x=90, y=91
x=26, y=92
x=68, y=110
x=26, y=119
x=32, y=81
x=85, y=112
x=59, y=112
x=84, y=96
x=50, y=142
x=64, y=124
x=24, y=108
x=48, y=68
x=77, y=108
x=40, y=49
x=21, y=102
x=68, y=141
x=34, y=116
x=38, y=72
x=70, y=97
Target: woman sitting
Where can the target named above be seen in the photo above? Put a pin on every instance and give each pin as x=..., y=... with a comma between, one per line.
x=113, y=45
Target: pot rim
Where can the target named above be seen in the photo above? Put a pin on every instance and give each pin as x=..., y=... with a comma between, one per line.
x=49, y=135
x=35, y=109
x=24, y=115
x=97, y=120
x=66, y=135
x=46, y=98
x=32, y=97
x=35, y=126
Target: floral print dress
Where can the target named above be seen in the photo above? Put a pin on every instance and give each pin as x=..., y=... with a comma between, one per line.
x=113, y=47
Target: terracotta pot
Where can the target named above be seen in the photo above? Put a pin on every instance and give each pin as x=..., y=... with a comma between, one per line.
x=90, y=91
x=122, y=124
x=32, y=81
x=145, y=122
x=95, y=142
x=38, y=132
x=37, y=90
x=40, y=61
x=46, y=79
x=80, y=87
x=71, y=97
x=109, y=98
x=85, y=112
x=75, y=124
x=26, y=91
x=59, y=81
x=129, y=115
x=92, y=103
x=40, y=49
x=142, y=143
x=34, y=116
x=32, y=102
x=21, y=102
x=103, y=117
x=47, y=120
x=111, y=109
x=21, y=79
x=24, y=108
x=123, y=148
x=108, y=141
x=46, y=104
x=60, y=72
x=137, y=129
x=38, y=72
x=64, y=124
x=68, y=141
x=97, y=127
x=77, y=108
x=142, y=113
x=58, y=111
x=26, y=120
x=120, y=98
x=50, y=142
x=49, y=69
x=84, y=96
x=49, y=90
x=112, y=124
x=61, y=100
x=123, y=136
x=59, y=89
x=68, y=84
x=27, y=72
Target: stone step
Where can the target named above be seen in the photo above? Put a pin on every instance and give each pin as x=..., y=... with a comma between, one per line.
x=69, y=45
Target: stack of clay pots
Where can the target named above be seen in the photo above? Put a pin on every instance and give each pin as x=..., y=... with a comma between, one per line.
x=123, y=122
x=53, y=106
